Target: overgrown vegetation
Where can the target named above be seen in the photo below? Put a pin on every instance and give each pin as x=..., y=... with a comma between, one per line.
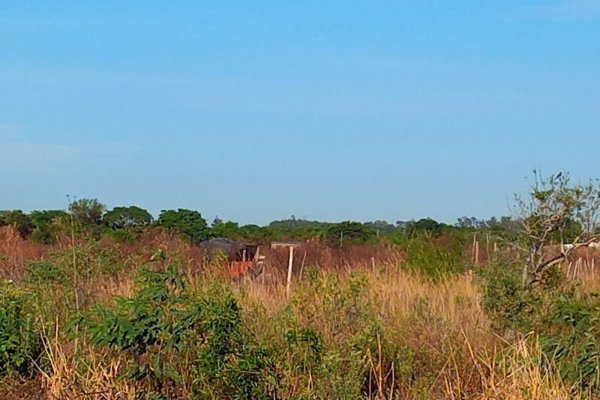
x=530, y=293
x=20, y=341
x=112, y=304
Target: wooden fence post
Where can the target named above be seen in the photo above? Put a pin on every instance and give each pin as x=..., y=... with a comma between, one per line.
x=289, y=275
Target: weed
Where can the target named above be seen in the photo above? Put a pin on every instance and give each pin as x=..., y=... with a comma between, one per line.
x=20, y=342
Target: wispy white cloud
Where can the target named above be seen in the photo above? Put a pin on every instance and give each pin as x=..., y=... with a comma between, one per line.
x=580, y=10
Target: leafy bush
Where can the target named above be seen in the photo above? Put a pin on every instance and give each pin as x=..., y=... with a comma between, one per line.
x=142, y=326
x=505, y=298
x=20, y=341
x=43, y=272
x=229, y=363
x=424, y=226
x=569, y=338
x=533, y=295
x=568, y=326
x=164, y=323
x=88, y=260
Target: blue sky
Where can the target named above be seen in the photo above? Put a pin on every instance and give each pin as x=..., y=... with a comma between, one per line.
x=329, y=110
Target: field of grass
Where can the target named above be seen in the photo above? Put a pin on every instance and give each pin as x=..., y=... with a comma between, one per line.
x=99, y=319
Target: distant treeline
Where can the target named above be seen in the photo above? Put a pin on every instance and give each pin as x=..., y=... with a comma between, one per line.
x=91, y=217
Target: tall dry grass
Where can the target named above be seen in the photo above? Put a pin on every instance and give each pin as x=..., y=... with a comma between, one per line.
x=16, y=251
x=457, y=356
x=450, y=350
x=517, y=374
x=459, y=353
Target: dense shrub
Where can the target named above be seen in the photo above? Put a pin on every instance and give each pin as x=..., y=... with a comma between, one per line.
x=569, y=336
x=505, y=298
x=164, y=323
x=43, y=272
x=20, y=340
x=567, y=323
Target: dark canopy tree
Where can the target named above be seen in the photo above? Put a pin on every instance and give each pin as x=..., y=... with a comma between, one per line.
x=255, y=234
x=21, y=221
x=189, y=223
x=425, y=225
x=44, y=222
x=224, y=229
x=127, y=217
x=87, y=211
x=348, y=232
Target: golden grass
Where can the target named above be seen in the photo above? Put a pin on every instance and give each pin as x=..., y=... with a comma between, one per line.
x=476, y=363
x=441, y=321
x=517, y=375
x=15, y=252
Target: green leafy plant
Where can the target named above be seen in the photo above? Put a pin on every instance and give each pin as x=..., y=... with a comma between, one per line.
x=142, y=326
x=189, y=223
x=163, y=323
x=20, y=341
x=569, y=338
x=43, y=272
x=229, y=363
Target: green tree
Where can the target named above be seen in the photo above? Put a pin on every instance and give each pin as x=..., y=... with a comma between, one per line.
x=21, y=221
x=226, y=229
x=381, y=227
x=127, y=217
x=526, y=290
x=87, y=211
x=556, y=211
x=44, y=225
x=256, y=234
x=297, y=229
x=189, y=223
x=348, y=232
x=424, y=225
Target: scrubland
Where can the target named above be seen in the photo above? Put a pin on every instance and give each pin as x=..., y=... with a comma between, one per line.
x=150, y=319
